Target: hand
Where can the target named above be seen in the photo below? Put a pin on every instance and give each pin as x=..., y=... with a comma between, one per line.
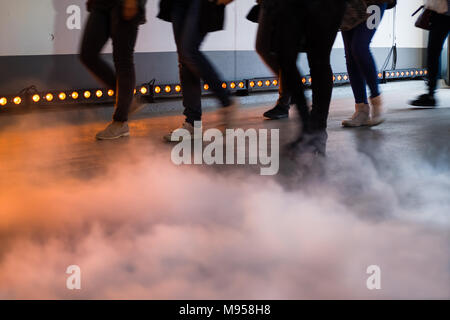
x=130, y=9
x=224, y=2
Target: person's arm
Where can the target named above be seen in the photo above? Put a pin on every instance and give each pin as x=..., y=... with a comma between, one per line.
x=130, y=9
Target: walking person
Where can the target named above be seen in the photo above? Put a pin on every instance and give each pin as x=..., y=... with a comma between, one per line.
x=118, y=20
x=440, y=28
x=191, y=21
x=361, y=66
x=264, y=49
x=312, y=25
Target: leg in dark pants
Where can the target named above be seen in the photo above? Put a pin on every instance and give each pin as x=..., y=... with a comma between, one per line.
x=193, y=64
x=440, y=28
x=100, y=27
x=264, y=49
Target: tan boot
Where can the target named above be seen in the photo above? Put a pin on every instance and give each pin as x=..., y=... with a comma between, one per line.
x=360, y=118
x=377, y=111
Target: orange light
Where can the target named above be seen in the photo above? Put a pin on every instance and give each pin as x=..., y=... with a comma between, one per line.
x=158, y=89
x=421, y=72
x=267, y=83
x=36, y=98
x=167, y=89
x=178, y=88
x=275, y=82
x=402, y=74
x=62, y=96
x=303, y=80
x=310, y=80
x=380, y=75
x=260, y=83
x=232, y=85
x=407, y=73
x=224, y=85
x=87, y=94
x=3, y=101
x=135, y=91
x=241, y=85
x=49, y=97
x=339, y=78
x=17, y=100
x=144, y=90
x=417, y=72
x=252, y=84
x=425, y=71
x=74, y=95
x=334, y=78
x=345, y=77
x=392, y=74
x=99, y=93
x=206, y=87
x=110, y=92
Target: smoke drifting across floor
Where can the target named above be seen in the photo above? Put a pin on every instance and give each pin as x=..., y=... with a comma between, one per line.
x=141, y=227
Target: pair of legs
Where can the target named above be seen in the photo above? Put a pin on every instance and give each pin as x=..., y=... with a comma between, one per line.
x=320, y=22
x=264, y=49
x=193, y=64
x=102, y=25
x=440, y=28
x=363, y=71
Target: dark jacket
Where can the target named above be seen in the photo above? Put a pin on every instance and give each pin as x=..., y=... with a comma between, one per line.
x=212, y=16
x=109, y=4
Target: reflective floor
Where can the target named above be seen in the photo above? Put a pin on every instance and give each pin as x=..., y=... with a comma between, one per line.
x=139, y=226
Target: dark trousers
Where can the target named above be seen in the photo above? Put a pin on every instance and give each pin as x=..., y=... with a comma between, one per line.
x=440, y=27
x=102, y=25
x=263, y=47
x=319, y=21
x=193, y=64
x=361, y=66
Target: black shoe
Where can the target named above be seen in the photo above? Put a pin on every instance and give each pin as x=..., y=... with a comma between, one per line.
x=278, y=112
x=425, y=100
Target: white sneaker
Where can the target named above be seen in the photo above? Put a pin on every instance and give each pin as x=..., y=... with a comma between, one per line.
x=186, y=131
x=360, y=118
x=377, y=111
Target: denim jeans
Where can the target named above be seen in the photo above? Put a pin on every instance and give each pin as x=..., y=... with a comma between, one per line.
x=102, y=25
x=361, y=66
x=263, y=47
x=193, y=64
x=440, y=27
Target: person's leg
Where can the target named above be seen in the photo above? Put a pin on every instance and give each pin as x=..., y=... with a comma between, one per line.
x=190, y=81
x=96, y=34
x=124, y=35
x=191, y=56
x=324, y=18
x=264, y=49
x=438, y=33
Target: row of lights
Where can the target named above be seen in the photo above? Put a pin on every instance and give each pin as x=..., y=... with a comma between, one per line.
x=72, y=96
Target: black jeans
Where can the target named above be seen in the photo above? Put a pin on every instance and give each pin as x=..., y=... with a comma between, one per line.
x=440, y=27
x=102, y=25
x=193, y=64
x=263, y=48
x=319, y=21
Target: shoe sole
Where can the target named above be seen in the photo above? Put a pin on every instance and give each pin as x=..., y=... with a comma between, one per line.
x=346, y=125
x=127, y=134
x=277, y=117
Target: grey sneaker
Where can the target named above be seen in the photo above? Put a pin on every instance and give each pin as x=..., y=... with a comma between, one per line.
x=186, y=131
x=113, y=131
x=360, y=118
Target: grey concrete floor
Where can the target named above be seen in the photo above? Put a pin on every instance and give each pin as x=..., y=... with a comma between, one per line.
x=141, y=227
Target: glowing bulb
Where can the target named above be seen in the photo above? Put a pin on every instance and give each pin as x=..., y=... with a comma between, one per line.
x=267, y=83
x=3, y=101
x=87, y=94
x=99, y=93
x=339, y=78
x=62, y=96
x=303, y=80
x=36, y=98
x=167, y=89
x=252, y=84
x=241, y=85
x=49, y=97
x=158, y=89
x=144, y=90
x=110, y=92
x=17, y=100
x=232, y=85
x=74, y=95
x=177, y=88
x=224, y=85
x=260, y=83
x=206, y=87
x=275, y=82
